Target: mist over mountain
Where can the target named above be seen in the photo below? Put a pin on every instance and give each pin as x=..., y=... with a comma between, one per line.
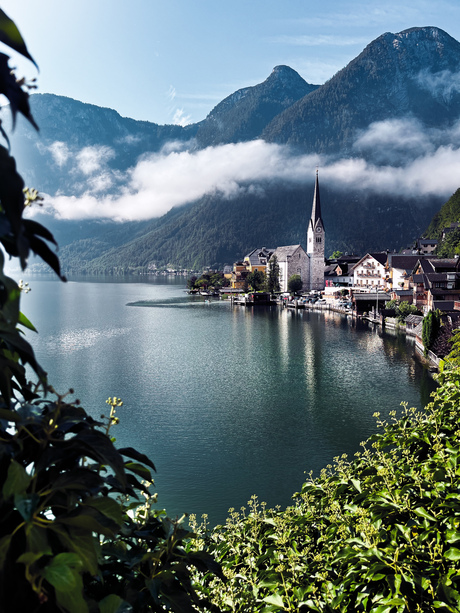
x=384, y=132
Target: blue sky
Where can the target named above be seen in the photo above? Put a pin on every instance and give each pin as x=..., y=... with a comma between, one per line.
x=172, y=61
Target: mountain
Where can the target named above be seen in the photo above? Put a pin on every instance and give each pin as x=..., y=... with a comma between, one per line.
x=397, y=75
x=373, y=125
x=243, y=115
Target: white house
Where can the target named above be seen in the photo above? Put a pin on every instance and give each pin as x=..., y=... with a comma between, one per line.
x=370, y=272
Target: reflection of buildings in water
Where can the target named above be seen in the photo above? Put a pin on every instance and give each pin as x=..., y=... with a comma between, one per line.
x=283, y=339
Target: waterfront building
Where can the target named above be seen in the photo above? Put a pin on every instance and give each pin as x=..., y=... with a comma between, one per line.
x=371, y=271
x=293, y=260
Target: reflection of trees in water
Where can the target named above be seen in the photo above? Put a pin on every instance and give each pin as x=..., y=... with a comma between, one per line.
x=397, y=346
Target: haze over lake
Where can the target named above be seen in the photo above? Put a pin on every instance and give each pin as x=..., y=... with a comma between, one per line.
x=227, y=401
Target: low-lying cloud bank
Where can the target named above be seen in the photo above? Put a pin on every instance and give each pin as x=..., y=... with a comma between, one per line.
x=397, y=157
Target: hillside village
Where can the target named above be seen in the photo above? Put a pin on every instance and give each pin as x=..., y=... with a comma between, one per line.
x=361, y=286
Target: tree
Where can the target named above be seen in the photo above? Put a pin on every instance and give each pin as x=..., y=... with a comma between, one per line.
x=273, y=277
x=294, y=283
x=404, y=309
x=256, y=280
x=336, y=255
x=73, y=535
x=430, y=327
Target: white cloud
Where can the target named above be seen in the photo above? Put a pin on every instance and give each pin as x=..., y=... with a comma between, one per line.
x=412, y=161
x=59, y=152
x=93, y=159
x=442, y=84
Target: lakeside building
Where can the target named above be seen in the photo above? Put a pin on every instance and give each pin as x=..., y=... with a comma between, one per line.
x=371, y=271
x=292, y=259
x=316, y=236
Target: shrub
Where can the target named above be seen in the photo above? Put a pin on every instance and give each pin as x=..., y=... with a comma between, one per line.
x=380, y=533
x=73, y=534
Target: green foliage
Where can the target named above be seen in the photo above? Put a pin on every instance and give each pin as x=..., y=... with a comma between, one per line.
x=207, y=281
x=450, y=246
x=273, y=275
x=379, y=533
x=256, y=279
x=294, y=284
x=431, y=325
x=336, y=255
x=404, y=309
x=73, y=535
x=449, y=213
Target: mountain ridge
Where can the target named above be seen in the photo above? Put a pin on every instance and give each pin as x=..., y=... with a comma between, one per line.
x=399, y=83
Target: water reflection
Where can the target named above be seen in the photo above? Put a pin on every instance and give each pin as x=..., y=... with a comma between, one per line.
x=227, y=401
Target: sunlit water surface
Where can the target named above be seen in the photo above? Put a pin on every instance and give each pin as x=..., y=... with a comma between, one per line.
x=227, y=401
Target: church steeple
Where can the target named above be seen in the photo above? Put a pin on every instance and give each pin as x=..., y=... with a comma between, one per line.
x=316, y=208
x=315, y=241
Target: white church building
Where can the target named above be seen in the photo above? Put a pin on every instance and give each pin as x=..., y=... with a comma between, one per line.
x=309, y=264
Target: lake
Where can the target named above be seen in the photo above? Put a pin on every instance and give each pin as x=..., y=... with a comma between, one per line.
x=227, y=401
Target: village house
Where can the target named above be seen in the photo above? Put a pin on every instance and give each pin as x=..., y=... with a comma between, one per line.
x=339, y=273
x=257, y=259
x=371, y=272
x=436, y=284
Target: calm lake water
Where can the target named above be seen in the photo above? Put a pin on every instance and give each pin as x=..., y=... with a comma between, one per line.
x=227, y=401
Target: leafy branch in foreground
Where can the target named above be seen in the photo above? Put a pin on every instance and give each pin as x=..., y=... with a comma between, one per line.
x=73, y=535
x=378, y=534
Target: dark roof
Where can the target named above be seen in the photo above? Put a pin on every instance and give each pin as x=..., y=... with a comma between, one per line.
x=427, y=241
x=282, y=253
x=255, y=255
x=403, y=292
x=316, y=208
x=444, y=305
x=403, y=262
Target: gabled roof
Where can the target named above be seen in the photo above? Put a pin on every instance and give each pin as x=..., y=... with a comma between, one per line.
x=282, y=253
x=403, y=262
x=380, y=257
x=254, y=256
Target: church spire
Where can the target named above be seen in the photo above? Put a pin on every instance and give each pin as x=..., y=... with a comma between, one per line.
x=316, y=208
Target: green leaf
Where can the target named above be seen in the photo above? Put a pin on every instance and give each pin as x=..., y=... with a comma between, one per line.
x=22, y=319
x=452, y=554
x=10, y=35
x=356, y=484
x=80, y=542
x=17, y=481
x=132, y=453
x=107, y=506
x=275, y=599
x=114, y=604
x=62, y=571
x=139, y=469
x=26, y=505
x=71, y=600
x=4, y=546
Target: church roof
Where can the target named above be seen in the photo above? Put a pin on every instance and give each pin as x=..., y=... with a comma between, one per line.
x=316, y=208
x=283, y=253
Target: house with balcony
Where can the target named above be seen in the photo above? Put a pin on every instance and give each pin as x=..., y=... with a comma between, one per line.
x=371, y=271
x=436, y=284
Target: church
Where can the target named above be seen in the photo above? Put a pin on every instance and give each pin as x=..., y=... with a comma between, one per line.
x=309, y=263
